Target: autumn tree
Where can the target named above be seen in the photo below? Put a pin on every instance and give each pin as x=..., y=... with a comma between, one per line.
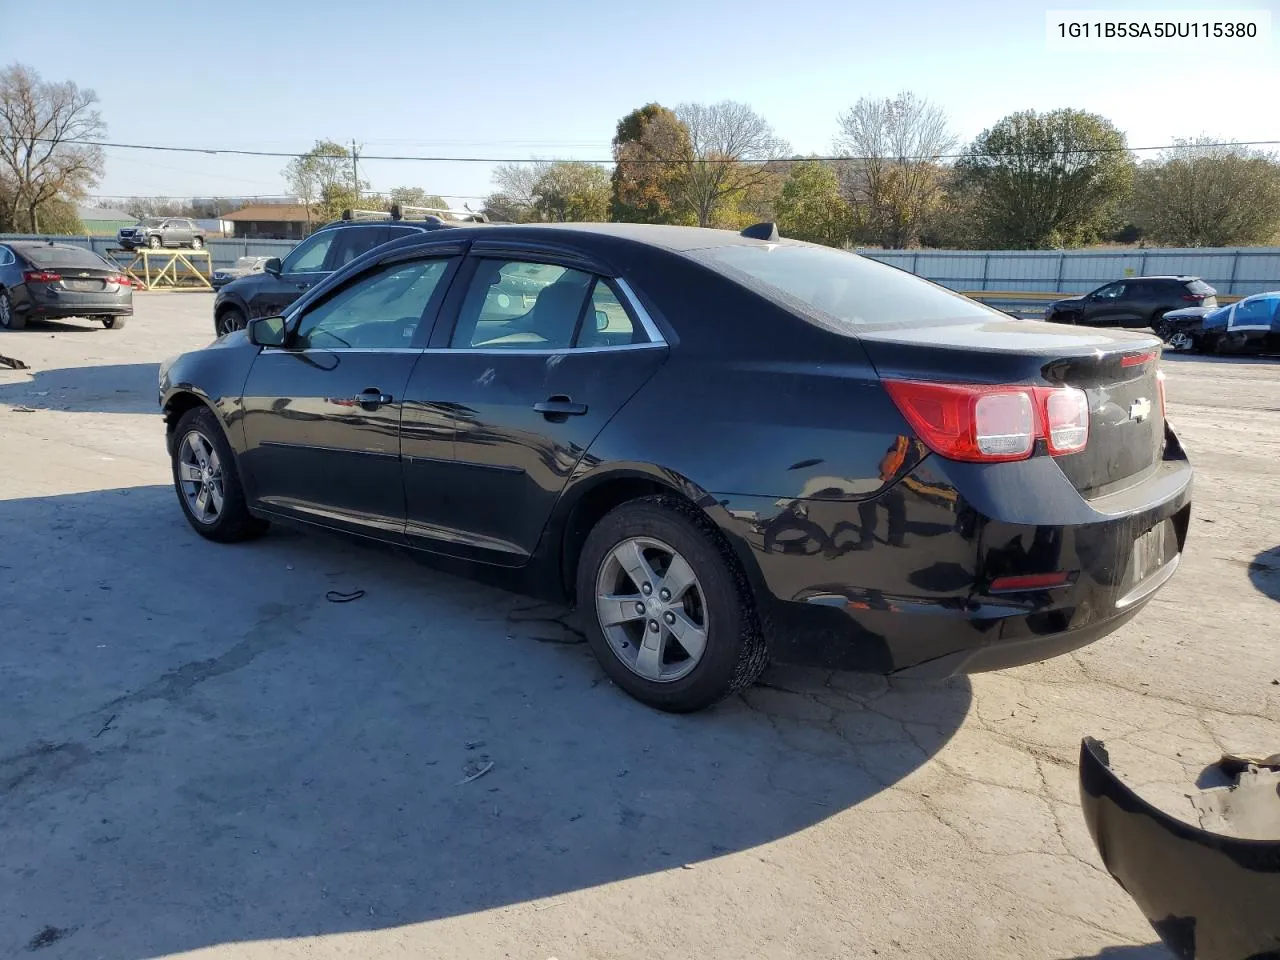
x=42, y=154
x=810, y=206
x=1201, y=195
x=1048, y=179
x=647, y=147
x=729, y=147
x=895, y=149
x=513, y=199
x=323, y=179
x=572, y=192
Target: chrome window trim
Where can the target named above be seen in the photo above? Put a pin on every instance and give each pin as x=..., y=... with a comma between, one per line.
x=646, y=321
x=472, y=351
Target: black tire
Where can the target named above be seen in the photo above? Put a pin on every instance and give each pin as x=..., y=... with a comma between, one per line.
x=10, y=319
x=232, y=318
x=1157, y=319
x=1162, y=327
x=155, y=243
x=234, y=522
x=735, y=652
x=114, y=323
x=197, y=243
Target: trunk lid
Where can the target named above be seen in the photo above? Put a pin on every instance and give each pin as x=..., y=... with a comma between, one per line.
x=1116, y=370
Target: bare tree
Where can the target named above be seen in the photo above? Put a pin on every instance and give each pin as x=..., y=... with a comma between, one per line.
x=893, y=173
x=730, y=146
x=42, y=157
x=516, y=196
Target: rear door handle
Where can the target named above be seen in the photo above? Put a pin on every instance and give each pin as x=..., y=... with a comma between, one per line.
x=559, y=408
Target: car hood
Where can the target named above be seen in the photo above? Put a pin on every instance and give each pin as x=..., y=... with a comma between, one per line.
x=1212, y=892
x=1189, y=313
x=1069, y=301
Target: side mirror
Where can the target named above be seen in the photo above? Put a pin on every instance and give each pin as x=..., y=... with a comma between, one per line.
x=268, y=332
x=272, y=266
x=602, y=321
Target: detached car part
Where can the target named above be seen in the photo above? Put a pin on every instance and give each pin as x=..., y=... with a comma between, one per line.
x=1211, y=892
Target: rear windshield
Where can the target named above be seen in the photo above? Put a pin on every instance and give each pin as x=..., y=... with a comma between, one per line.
x=831, y=285
x=63, y=257
x=1199, y=286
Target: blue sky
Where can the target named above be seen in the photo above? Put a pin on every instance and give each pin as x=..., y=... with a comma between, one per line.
x=496, y=78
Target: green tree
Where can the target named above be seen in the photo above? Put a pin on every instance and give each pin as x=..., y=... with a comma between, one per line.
x=811, y=208
x=893, y=174
x=41, y=156
x=416, y=197
x=324, y=180
x=1199, y=195
x=1048, y=179
x=643, y=185
x=576, y=192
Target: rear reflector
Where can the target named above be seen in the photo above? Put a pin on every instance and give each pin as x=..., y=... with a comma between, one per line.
x=1030, y=581
x=981, y=423
x=1137, y=359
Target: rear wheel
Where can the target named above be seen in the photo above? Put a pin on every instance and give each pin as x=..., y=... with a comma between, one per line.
x=228, y=320
x=666, y=608
x=197, y=243
x=10, y=319
x=207, y=481
x=114, y=323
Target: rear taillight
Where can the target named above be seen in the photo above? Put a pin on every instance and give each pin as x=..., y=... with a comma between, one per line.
x=40, y=276
x=121, y=279
x=1193, y=297
x=980, y=423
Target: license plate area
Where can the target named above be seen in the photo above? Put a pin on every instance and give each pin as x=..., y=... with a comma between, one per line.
x=1151, y=551
x=84, y=286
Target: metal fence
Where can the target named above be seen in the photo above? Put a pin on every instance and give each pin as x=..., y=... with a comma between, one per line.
x=1233, y=271
x=224, y=252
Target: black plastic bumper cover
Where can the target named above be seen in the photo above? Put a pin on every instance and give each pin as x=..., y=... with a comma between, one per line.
x=1208, y=896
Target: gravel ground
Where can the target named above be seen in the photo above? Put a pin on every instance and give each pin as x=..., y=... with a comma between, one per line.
x=198, y=753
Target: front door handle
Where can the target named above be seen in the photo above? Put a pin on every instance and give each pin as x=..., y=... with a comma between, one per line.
x=559, y=408
x=373, y=398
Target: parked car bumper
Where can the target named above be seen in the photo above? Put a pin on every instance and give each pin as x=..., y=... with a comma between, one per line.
x=902, y=583
x=68, y=303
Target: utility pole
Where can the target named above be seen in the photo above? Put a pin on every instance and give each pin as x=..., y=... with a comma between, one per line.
x=355, y=169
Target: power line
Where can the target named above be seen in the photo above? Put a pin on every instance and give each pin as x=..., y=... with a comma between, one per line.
x=420, y=159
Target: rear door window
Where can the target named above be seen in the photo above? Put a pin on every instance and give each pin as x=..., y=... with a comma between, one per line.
x=309, y=255
x=515, y=305
x=1254, y=313
x=354, y=242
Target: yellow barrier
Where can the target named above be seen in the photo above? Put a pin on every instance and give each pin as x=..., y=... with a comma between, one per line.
x=167, y=277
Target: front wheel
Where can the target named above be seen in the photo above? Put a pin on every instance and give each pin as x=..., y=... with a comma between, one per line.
x=667, y=611
x=114, y=323
x=10, y=319
x=228, y=320
x=154, y=243
x=1182, y=341
x=207, y=481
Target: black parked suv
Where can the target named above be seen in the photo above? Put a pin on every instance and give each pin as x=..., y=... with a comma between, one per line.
x=332, y=246
x=1134, y=302
x=157, y=232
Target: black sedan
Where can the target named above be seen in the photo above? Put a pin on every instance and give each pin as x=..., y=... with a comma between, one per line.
x=47, y=281
x=724, y=448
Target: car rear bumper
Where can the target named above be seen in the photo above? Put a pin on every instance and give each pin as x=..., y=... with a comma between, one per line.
x=901, y=583
x=73, y=304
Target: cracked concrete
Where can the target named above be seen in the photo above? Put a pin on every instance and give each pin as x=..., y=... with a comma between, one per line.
x=199, y=755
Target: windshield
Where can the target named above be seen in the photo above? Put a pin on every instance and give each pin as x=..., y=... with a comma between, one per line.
x=61, y=256
x=833, y=285
x=150, y=222
x=248, y=263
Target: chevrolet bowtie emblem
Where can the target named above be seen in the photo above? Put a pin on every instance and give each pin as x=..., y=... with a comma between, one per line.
x=1140, y=409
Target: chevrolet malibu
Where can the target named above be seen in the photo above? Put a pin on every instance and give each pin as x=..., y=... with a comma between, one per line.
x=723, y=448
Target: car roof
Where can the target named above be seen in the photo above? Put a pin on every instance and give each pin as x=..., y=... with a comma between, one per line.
x=43, y=245
x=1182, y=278
x=594, y=236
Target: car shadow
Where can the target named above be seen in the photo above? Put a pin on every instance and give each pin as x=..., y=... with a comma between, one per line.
x=57, y=326
x=1264, y=572
x=108, y=388
x=1146, y=951
x=199, y=748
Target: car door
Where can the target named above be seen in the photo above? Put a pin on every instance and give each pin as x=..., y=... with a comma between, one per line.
x=299, y=271
x=321, y=416
x=1109, y=305
x=540, y=356
x=1250, y=321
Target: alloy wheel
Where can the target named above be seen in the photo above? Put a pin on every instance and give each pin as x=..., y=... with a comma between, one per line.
x=200, y=475
x=652, y=609
x=1181, y=341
